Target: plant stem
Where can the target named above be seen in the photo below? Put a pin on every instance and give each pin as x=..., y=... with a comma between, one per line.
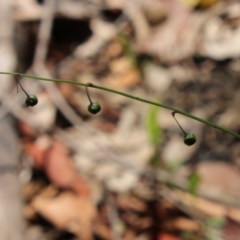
x=129, y=96
x=18, y=82
x=88, y=93
x=173, y=114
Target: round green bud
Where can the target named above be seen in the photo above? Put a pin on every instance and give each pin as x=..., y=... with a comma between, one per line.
x=94, y=107
x=31, y=101
x=190, y=139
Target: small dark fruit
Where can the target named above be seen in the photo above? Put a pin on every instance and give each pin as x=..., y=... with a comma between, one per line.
x=190, y=139
x=31, y=100
x=94, y=107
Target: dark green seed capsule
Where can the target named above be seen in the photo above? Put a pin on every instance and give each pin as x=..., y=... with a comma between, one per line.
x=190, y=139
x=31, y=100
x=94, y=107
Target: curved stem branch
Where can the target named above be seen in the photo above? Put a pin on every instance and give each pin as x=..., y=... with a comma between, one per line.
x=132, y=97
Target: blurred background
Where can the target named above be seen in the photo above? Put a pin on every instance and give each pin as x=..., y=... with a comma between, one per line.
x=124, y=173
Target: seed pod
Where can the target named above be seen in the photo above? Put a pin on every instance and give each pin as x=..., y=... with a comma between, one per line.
x=94, y=107
x=31, y=100
x=190, y=139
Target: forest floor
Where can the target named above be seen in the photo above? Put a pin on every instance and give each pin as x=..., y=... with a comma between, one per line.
x=125, y=173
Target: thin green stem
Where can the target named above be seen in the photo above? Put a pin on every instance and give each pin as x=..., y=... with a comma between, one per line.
x=129, y=96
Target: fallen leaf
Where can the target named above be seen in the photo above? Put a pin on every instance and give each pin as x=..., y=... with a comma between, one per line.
x=69, y=212
x=127, y=79
x=166, y=236
x=58, y=166
x=26, y=130
x=37, y=150
x=231, y=230
x=181, y=224
x=60, y=170
x=219, y=181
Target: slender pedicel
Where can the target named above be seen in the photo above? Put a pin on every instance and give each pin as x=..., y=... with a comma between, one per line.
x=93, y=107
x=31, y=100
x=17, y=76
x=189, y=138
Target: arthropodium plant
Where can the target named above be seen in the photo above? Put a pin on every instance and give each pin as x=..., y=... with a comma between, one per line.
x=95, y=107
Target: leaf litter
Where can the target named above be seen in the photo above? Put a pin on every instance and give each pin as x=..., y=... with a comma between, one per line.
x=183, y=56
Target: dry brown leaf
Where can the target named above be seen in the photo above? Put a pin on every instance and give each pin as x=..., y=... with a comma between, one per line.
x=219, y=181
x=204, y=206
x=120, y=65
x=102, y=230
x=57, y=164
x=26, y=130
x=231, y=230
x=166, y=236
x=60, y=170
x=37, y=151
x=124, y=80
x=114, y=49
x=182, y=224
x=69, y=212
x=131, y=203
